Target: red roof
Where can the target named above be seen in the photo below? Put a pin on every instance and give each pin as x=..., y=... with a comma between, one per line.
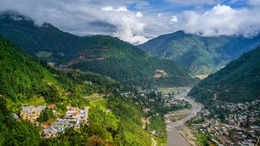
x=52, y=106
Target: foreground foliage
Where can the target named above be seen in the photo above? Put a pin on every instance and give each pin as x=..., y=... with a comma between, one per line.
x=113, y=119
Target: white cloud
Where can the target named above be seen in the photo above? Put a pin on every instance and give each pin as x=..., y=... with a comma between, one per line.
x=122, y=9
x=119, y=9
x=130, y=27
x=222, y=20
x=79, y=16
x=108, y=8
x=174, y=19
x=139, y=14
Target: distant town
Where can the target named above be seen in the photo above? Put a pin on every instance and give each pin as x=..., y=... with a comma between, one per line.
x=230, y=124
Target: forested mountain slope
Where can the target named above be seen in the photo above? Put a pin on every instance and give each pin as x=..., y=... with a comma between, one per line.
x=101, y=54
x=239, y=81
x=201, y=55
x=24, y=81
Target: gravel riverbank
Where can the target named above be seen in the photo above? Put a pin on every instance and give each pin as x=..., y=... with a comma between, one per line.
x=174, y=137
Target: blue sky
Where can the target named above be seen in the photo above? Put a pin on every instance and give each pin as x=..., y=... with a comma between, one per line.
x=137, y=21
x=178, y=6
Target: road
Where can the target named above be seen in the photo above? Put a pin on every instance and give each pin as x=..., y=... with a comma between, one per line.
x=174, y=137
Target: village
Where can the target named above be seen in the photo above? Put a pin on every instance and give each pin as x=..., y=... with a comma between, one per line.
x=230, y=124
x=163, y=101
x=73, y=118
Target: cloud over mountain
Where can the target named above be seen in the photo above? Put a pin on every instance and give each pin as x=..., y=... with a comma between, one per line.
x=79, y=16
x=136, y=21
x=223, y=20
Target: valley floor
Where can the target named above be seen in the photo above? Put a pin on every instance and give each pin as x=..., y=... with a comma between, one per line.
x=174, y=136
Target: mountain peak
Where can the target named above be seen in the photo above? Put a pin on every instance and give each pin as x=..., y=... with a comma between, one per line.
x=180, y=32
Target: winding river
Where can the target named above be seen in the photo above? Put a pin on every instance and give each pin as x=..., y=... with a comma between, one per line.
x=174, y=137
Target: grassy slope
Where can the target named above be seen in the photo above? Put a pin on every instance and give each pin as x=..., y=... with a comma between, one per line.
x=239, y=81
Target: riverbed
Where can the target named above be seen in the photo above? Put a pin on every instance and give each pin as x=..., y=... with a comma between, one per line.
x=174, y=137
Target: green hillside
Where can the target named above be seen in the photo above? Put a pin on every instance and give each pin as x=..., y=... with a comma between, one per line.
x=20, y=76
x=24, y=81
x=101, y=54
x=201, y=55
x=128, y=64
x=239, y=81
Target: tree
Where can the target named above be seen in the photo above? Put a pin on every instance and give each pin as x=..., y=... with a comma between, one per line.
x=45, y=115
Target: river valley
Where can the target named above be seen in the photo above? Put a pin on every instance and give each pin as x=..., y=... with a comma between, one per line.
x=174, y=137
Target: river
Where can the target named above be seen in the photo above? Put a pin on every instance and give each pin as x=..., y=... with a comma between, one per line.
x=174, y=137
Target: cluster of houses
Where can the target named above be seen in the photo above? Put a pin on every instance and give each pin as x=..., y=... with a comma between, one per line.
x=237, y=127
x=73, y=118
x=31, y=113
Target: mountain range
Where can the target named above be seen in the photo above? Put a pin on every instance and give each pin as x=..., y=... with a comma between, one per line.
x=42, y=65
x=100, y=54
x=201, y=55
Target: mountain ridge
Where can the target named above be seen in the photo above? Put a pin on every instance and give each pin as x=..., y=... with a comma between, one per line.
x=200, y=54
x=100, y=54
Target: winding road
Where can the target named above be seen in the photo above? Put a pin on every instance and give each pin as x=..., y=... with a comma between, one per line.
x=174, y=137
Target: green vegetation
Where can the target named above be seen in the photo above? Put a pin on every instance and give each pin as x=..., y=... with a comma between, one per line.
x=17, y=133
x=201, y=55
x=239, y=81
x=113, y=119
x=23, y=79
x=203, y=139
x=46, y=115
x=158, y=104
x=100, y=54
x=157, y=123
x=126, y=63
x=130, y=125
